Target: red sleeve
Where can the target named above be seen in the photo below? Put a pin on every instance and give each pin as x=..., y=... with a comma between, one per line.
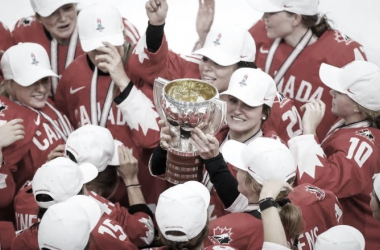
x=6, y=39
x=284, y=119
x=163, y=63
x=131, y=34
x=27, y=239
x=347, y=168
x=7, y=234
x=60, y=96
x=142, y=118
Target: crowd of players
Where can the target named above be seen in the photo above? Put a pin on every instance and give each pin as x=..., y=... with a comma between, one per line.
x=83, y=150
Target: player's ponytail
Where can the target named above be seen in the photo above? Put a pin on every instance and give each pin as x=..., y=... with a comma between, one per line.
x=317, y=23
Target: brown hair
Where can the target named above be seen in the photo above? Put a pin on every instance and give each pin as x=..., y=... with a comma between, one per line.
x=105, y=183
x=266, y=111
x=373, y=116
x=291, y=215
x=317, y=23
x=189, y=245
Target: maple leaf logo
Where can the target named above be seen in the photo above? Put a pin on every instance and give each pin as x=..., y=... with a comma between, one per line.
x=307, y=155
x=3, y=107
x=141, y=112
x=366, y=133
x=140, y=49
x=341, y=38
x=223, y=235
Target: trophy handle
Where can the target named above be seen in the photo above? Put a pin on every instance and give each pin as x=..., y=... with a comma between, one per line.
x=219, y=116
x=158, y=86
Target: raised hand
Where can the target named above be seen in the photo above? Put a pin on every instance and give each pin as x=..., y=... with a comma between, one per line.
x=205, y=18
x=156, y=11
x=272, y=188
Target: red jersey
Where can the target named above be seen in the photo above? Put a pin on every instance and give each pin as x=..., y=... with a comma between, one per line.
x=138, y=226
x=6, y=41
x=45, y=129
x=30, y=30
x=301, y=82
x=107, y=234
x=7, y=234
x=133, y=121
x=26, y=207
x=320, y=209
x=344, y=163
x=239, y=230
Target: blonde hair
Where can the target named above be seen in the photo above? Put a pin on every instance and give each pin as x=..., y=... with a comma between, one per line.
x=6, y=88
x=374, y=116
x=291, y=215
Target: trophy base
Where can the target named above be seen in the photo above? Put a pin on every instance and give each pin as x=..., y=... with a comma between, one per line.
x=180, y=169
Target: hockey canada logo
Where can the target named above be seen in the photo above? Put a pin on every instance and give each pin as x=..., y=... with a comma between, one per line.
x=223, y=235
x=34, y=60
x=318, y=192
x=242, y=83
x=100, y=26
x=341, y=38
x=3, y=107
x=217, y=41
x=366, y=133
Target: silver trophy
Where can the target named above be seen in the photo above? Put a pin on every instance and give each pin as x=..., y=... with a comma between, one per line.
x=186, y=104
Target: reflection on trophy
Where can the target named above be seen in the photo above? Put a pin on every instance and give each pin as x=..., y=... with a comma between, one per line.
x=186, y=104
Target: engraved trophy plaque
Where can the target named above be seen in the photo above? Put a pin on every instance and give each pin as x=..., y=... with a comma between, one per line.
x=185, y=104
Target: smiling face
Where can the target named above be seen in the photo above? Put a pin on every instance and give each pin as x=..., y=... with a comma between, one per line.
x=215, y=74
x=244, y=121
x=35, y=95
x=61, y=23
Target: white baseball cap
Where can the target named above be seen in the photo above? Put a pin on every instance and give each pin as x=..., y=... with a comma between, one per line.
x=68, y=225
x=228, y=45
x=263, y=158
x=183, y=208
x=340, y=237
x=61, y=179
x=115, y=158
x=360, y=80
x=93, y=144
x=303, y=7
x=252, y=86
x=47, y=7
x=98, y=23
x=376, y=185
x=26, y=63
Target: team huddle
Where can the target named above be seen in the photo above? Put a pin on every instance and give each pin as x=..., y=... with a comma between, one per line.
x=85, y=151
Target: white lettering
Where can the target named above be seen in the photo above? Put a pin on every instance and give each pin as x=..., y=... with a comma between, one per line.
x=307, y=85
x=289, y=87
x=45, y=142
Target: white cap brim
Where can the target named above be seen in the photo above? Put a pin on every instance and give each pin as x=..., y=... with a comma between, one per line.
x=217, y=56
x=243, y=97
x=330, y=77
x=28, y=79
x=89, y=172
x=264, y=6
x=94, y=43
x=232, y=153
x=53, y=6
x=90, y=206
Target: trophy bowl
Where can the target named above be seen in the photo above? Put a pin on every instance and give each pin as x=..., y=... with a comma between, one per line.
x=186, y=104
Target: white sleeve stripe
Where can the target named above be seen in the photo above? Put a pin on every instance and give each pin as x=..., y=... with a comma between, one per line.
x=132, y=28
x=130, y=35
x=191, y=59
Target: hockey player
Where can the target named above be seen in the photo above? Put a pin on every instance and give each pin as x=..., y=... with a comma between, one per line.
x=348, y=157
x=54, y=27
x=97, y=90
x=24, y=94
x=60, y=179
